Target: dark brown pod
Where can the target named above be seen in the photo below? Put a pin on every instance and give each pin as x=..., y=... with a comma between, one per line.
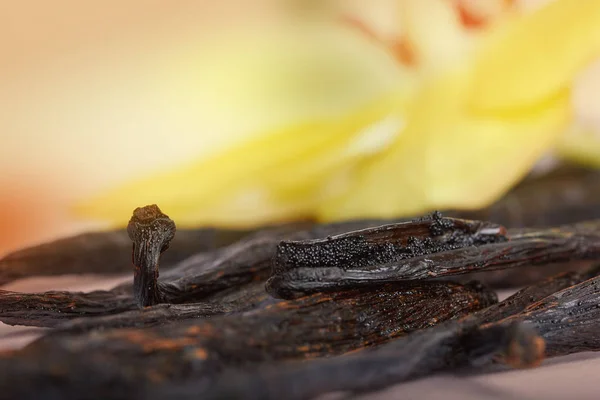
x=104, y=253
x=447, y=347
x=527, y=296
x=197, y=279
x=319, y=325
x=568, y=320
x=346, y=260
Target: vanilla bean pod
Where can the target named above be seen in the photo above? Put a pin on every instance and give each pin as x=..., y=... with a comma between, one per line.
x=236, y=300
x=414, y=356
x=568, y=320
x=449, y=346
x=525, y=297
x=194, y=358
x=313, y=326
x=51, y=308
x=201, y=277
x=104, y=253
x=345, y=260
x=151, y=232
x=561, y=322
x=525, y=275
x=109, y=253
x=196, y=279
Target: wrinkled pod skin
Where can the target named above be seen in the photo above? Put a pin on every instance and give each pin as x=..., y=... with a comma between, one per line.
x=151, y=232
x=362, y=257
x=568, y=320
x=358, y=257
x=445, y=347
x=116, y=363
x=193, y=357
x=226, y=280
x=232, y=275
x=558, y=316
x=561, y=316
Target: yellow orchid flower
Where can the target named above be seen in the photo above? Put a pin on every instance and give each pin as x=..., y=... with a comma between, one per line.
x=323, y=108
x=456, y=128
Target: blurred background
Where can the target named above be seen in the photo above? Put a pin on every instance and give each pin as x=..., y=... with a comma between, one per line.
x=239, y=113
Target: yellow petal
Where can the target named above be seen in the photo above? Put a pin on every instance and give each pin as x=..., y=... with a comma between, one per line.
x=537, y=55
x=300, y=100
x=448, y=157
x=250, y=183
x=580, y=144
x=261, y=80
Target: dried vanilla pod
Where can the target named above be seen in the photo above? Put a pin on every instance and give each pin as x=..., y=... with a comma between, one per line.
x=207, y=275
x=49, y=309
x=109, y=253
x=322, y=324
x=445, y=347
x=370, y=255
x=207, y=327
x=568, y=320
x=196, y=279
x=525, y=297
x=525, y=275
x=201, y=277
x=236, y=300
x=104, y=253
x=372, y=370
x=306, y=266
x=151, y=232
x=563, y=322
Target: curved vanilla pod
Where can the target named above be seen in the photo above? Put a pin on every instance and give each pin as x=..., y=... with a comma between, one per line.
x=446, y=347
x=243, y=298
x=49, y=309
x=379, y=255
x=568, y=320
x=320, y=325
x=198, y=279
x=151, y=232
x=104, y=253
x=523, y=276
x=525, y=297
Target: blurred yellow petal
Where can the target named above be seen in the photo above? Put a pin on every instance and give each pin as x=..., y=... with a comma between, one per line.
x=448, y=157
x=580, y=144
x=301, y=99
x=537, y=55
x=332, y=127
x=248, y=183
x=262, y=80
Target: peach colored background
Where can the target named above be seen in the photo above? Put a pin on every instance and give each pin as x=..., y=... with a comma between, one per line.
x=74, y=99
